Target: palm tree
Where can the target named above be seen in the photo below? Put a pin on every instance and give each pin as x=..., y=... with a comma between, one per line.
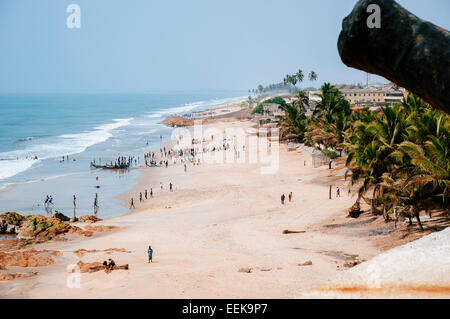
x=312, y=76
x=293, y=124
x=369, y=163
x=331, y=101
x=302, y=100
x=260, y=88
x=299, y=76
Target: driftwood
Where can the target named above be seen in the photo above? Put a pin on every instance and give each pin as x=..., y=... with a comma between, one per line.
x=410, y=52
x=286, y=231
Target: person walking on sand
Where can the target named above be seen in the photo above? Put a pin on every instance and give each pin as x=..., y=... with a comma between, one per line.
x=338, y=192
x=290, y=197
x=171, y=187
x=140, y=197
x=150, y=254
x=282, y=199
x=151, y=192
x=132, y=203
x=74, y=208
x=145, y=194
x=161, y=185
x=46, y=203
x=96, y=204
x=185, y=168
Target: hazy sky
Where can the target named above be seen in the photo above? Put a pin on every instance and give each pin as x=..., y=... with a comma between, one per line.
x=159, y=46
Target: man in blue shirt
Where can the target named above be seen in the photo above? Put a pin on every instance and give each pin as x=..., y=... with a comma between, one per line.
x=150, y=253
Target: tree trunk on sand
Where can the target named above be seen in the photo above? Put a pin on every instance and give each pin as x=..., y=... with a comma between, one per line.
x=410, y=220
x=373, y=203
x=416, y=214
x=385, y=215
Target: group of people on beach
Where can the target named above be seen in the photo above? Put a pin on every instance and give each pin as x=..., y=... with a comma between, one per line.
x=146, y=195
x=283, y=198
x=110, y=263
x=48, y=204
x=119, y=162
x=65, y=158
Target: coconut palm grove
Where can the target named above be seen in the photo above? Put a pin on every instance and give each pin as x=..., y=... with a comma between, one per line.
x=397, y=157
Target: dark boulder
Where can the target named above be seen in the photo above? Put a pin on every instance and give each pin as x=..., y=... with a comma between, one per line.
x=412, y=53
x=60, y=216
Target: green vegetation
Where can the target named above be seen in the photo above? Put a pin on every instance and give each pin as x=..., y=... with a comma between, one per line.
x=277, y=100
x=258, y=109
x=399, y=157
x=330, y=154
x=288, y=84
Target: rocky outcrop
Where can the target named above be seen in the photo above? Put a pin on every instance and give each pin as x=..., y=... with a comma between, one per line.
x=100, y=228
x=89, y=219
x=246, y=270
x=37, y=226
x=28, y=258
x=410, y=52
x=6, y=276
x=10, y=222
x=177, y=121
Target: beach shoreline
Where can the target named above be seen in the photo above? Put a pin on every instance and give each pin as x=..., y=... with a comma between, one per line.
x=106, y=139
x=221, y=233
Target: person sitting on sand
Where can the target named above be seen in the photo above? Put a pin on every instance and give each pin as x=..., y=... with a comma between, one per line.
x=150, y=254
x=282, y=199
x=110, y=264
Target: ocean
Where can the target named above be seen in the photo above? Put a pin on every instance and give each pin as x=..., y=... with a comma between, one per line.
x=37, y=130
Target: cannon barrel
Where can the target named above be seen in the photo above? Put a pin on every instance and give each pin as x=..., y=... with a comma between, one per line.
x=406, y=50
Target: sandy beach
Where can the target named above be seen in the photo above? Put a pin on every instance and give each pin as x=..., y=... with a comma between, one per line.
x=221, y=233
x=189, y=153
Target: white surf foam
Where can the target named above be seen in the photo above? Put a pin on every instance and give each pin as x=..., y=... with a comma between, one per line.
x=195, y=105
x=15, y=162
